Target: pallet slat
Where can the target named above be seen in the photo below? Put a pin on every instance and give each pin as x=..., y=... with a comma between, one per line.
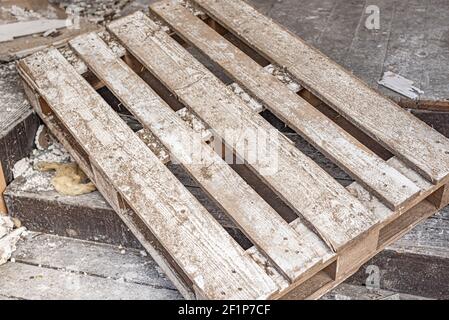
x=337, y=216
x=366, y=167
x=207, y=254
x=402, y=134
x=267, y=230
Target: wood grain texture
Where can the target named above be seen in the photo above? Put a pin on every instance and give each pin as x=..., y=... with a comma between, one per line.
x=367, y=168
x=267, y=230
x=336, y=215
x=160, y=200
x=402, y=134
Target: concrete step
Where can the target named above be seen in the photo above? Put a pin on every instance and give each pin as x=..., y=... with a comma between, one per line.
x=53, y=267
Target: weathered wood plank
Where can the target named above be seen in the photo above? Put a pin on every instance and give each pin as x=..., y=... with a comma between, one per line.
x=336, y=215
x=95, y=259
x=267, y=230
x=171, y=213
x=405, y=136
x=50, y=284
x=366, y=167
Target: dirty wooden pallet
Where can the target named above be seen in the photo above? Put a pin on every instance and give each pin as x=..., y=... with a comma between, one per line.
x=400, y=165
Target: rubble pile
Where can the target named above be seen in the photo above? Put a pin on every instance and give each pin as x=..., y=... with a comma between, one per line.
x=95, y=11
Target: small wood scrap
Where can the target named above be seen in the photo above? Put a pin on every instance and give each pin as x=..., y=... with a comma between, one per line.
x=50, y=33
x=400, y=85
x=3, y=209
x=10, y=31
x=28, y=26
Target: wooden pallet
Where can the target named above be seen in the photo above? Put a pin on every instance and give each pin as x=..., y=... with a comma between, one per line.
x=401, y=166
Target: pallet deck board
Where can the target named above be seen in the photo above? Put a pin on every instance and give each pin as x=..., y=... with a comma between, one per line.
x=366, y=167
x=172, y=213
x=268, y=231
x=307, y=232
x=401, y=133
x=324, y=203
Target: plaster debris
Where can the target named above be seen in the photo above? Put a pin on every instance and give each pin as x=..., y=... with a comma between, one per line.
x=196, y=124
x=143, y=253
x=8, y=238
x=22, y=168
x=155, y=145
x=112, y=43
x=400, y=85
x=41, y=140
x=21, y=14
x=54, y=153
x=255, y=105
x=27, y=168
x=99, y=12
x=195, y=11
x=6, y=225
x=283, y=76
x=163, y=27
